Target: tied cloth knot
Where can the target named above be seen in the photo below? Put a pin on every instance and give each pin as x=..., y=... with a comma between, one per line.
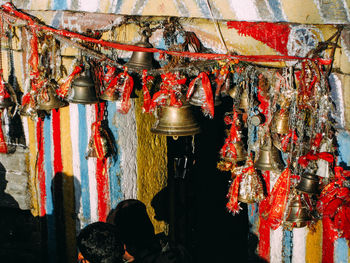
x=168, y=88
x=310, y=156
x=290, y=136
x=62, y=91
x=126, y=90
x=232, y=195
x=229, y=147
x=334, y=205
x=208, y=103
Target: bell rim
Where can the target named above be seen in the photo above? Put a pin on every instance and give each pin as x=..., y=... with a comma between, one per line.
x=108, y=98
x=174, y=132
x=83, y=101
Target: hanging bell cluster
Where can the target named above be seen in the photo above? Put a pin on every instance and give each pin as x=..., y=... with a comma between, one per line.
x=176, y=121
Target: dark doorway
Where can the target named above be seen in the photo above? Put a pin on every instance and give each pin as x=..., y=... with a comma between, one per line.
x=197, y=190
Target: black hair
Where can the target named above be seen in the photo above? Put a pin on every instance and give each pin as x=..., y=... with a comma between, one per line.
x=134, y=225
x=99, y=243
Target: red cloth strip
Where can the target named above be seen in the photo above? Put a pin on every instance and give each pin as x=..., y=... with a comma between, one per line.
x=56, y=134
x=11, y=10
x=3, y=145
x=264, y=228
x=40, y=165
x=101, y=171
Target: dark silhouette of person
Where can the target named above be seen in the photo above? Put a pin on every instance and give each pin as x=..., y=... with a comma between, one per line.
x=99, y=243
x=18, y=229
x=137, y=234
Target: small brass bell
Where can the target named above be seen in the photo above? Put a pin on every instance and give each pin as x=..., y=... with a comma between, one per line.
x=233, y=92
x=27, y=110
x=49, y=99
x=244, y=103
x=250, y=187
x=308, y=184
x=198, y=97
x=83, y=89
x=269, y=158
x=110, y=94
x=280, y=122
x=7, y=102
x=176, y=121
x=298, y=214
x=240, y=151
x=140, y=59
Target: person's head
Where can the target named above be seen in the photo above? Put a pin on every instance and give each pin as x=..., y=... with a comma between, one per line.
x=99, y=243
x=134, y=225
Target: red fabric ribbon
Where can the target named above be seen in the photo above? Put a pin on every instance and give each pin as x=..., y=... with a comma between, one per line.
x=3, y=145
x=273, y=207
x=334, y=205
x=232, y=204
x=147, y=100
x=290, y=136
x=62, y=91
x=208, y=104
x=310, y=156
x=126, y=90
x=3, y=92
x=110, y=72
x=229, y=147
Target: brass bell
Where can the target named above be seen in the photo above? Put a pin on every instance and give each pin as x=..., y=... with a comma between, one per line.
x=240, y=151
x=140, y=59
x=280, y=122
x=244, y=103
x=176, y=121
x=250, y=188
x=110, y=94
x=233, y=92
x=48, y=99
x=27, y=110
x=308, y=184
x=298, y=214
x=269, y=158
x=7, y=102
x=198, y=97
x=83, y=89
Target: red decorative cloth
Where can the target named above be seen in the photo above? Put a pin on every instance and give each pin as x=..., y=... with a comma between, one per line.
x=273, y=207
x=334, y=205
x=62, y=91
x=208, y=104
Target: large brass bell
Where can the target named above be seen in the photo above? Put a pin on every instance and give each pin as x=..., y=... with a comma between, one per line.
x=298, y=214
x=140, y=59
x=48, y=99
x=309, y=184
x=7, y=102
x=110, y=94
x=269, y=158
x=83, y=89
x=280, y=122
x=176, y=121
